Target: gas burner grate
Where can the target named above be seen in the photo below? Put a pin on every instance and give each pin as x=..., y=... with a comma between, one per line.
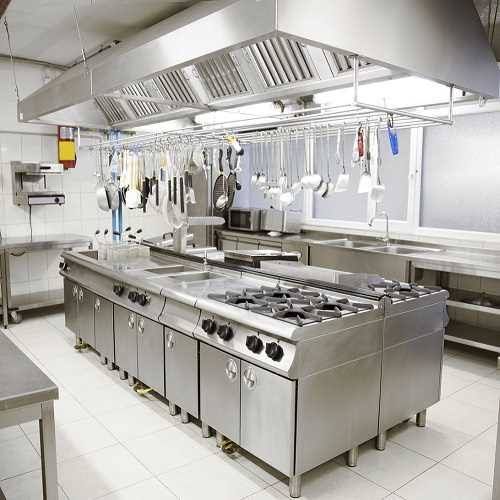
x=403, y=291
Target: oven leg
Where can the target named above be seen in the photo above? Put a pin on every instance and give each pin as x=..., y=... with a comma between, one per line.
x=184, y=417
x=381, y=440
x=131, y=381
x=102, y=359
x=172, y=408
x=421, y=418
x=110, y=365
x=295, y=486
x=498, y=363
x=352, y=457
x=219, y=438
x=205, y=430
x=122, y=373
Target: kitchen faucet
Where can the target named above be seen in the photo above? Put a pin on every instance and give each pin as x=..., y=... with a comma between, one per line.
x=386, y=239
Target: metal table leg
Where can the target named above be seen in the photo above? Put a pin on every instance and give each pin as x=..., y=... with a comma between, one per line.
x=295, y=486
x=5, y=294
x=421, y=418
x=48, y=451
x=381, y=441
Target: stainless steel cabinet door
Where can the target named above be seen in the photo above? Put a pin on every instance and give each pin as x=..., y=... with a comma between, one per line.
x=86, y=316
x=220, y=391
x=150, y=352
x=248, y=245
x=125, y=326
x=228, y=244
x=70, y=305
x=268, y=416
x=103, y=326
x=181, y=371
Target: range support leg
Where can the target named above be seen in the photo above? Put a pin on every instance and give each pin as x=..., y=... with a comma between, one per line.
x=103, y=359
x=421, y=418
x=184, y=417
x=381, y=441
x=352, y=457
x=131, y=381
x=110, y=365
x=5, y=293
x=172, y=408
x=498, y=363
x=48, y=451
x=205, y=430
x=219, y=438
x=123, y=375
x=295, y=486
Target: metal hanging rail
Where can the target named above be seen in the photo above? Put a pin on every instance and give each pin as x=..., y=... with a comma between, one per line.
x=302, y=123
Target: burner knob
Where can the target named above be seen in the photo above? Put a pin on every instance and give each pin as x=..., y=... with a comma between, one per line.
x=225, y=332
x=209, y=326
x=132, y=296
x=118, y=290
x=254, y=344
x=143, y=299
x=274, y=351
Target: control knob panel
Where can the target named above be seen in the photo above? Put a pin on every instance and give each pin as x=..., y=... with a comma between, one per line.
x=118, y=290
x=209, y=326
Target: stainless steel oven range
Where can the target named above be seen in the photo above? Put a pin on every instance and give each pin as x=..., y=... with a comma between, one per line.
x=295, y=374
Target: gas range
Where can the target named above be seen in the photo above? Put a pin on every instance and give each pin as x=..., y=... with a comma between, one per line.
x=402, y=291
x=294, y=305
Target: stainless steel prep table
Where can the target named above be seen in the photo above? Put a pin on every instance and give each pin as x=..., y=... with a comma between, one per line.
x=27, y=394
x=15, y=247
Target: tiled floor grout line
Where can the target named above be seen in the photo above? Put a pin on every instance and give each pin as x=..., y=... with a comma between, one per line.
x=467, y=475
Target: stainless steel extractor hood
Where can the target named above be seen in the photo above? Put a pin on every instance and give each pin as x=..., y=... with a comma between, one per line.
x=226, y=53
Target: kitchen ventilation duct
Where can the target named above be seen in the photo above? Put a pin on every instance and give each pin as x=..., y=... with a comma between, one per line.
x=222, y=54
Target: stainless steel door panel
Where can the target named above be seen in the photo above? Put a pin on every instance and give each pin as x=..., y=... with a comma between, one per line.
x=247, y=245
x=412, y=324
x=181, y=371
x=70, y=305
x=86, y=316
x=103, y=325
x=328, y=351
x=125, y=325
x=150, y=354
x=411, y=378
x=337, y=409
x=268, y=416
x=220, y=391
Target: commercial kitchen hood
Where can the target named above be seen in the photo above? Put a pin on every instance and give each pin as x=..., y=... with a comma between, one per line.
x=226, y=53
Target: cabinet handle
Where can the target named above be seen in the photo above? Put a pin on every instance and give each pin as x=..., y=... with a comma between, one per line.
x=80, y=295
x=231, y=369
x=170, y=341
x=249, y=378
x=140, y=326
x=75, y=290
x=97, y=305
x=131, y=321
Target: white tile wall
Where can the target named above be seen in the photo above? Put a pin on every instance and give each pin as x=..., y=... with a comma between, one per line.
x=79, y=215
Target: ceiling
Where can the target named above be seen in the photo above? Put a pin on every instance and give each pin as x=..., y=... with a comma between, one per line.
x=45, y=30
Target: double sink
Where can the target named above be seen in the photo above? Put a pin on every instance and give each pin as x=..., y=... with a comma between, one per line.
x=386, y=249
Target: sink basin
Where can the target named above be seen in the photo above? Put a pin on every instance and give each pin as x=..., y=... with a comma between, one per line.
x=403, y=250
x=349, y=244
x=168, y=270
x=197, y=276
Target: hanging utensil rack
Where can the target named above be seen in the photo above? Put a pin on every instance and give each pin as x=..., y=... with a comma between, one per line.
x=319, y=120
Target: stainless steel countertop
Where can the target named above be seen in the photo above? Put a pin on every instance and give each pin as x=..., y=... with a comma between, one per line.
x=22, y=382
x=464, y=260
x=48, y=242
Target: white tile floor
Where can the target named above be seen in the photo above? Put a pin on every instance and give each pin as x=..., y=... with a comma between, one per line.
x=115, y=445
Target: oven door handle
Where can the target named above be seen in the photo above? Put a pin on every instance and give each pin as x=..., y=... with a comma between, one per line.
x=231, y=370
x=249, y=378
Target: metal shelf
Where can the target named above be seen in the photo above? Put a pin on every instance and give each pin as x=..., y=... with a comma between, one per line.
x=473, y=307
x=35, y=300
x=474, y=336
